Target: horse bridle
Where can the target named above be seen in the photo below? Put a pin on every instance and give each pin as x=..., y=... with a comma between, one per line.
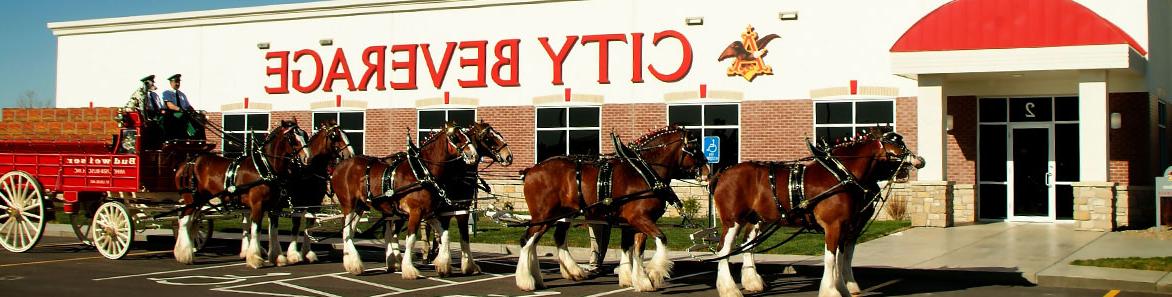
x=496, y=151
x=695, y=170
x=451, y=137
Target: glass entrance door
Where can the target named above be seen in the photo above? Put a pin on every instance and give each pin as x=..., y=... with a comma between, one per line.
x=1032, y=166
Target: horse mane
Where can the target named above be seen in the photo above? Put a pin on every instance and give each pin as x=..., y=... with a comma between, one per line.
x=859, y=138
x=657, y=133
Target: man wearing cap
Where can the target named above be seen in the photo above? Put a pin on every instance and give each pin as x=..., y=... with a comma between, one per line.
x=145, y=99
x=179, y=112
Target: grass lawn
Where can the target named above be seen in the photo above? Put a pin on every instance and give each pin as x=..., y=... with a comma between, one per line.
x=1157, y=263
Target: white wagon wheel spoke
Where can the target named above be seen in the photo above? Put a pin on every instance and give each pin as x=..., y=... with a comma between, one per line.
x=3, y=216
x=4, y=206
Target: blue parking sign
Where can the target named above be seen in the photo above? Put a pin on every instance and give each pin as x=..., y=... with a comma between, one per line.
x=712, y=148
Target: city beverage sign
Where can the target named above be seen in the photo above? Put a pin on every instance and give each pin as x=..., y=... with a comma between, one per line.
x=492, y=63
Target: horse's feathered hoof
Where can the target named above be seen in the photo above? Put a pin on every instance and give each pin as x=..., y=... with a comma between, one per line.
x=468, y=267
x=752, y=281
x=353, y=264
x=410, y=272
x=255, y=262
x=311, y=257
x=293, y=257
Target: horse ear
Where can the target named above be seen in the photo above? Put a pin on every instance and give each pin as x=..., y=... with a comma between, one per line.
x=817, y=152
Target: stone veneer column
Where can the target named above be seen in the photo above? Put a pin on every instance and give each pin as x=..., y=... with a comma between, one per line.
x=1093, y=206
x=930, y=203
x=964, y=204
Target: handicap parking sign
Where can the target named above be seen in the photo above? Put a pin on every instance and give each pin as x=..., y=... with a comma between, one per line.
x=712, y=148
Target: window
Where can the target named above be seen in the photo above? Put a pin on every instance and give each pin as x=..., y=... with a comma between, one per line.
x=715, y=119
x=351, y=122
x=568, y=131
x=432, y=120
x=841, y=119
x=236, y=132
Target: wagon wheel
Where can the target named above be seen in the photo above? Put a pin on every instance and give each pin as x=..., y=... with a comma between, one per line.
x=203, y=229
x=22, y=211
x=113, y=230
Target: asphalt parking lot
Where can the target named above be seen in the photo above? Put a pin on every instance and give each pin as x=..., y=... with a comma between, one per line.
x=60, y=267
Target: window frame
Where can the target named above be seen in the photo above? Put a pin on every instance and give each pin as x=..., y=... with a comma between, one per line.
x=447, y=116
x=337, y=118
x=704, y=127
x=567, y=128
x=854, y=125
x=245, y=114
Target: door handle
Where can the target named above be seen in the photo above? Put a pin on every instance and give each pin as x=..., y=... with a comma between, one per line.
x=1048, y=176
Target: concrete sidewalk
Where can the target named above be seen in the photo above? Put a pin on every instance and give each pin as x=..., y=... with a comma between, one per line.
x=1037, y=252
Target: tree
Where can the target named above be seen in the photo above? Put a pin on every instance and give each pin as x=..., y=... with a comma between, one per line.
x=29, y=99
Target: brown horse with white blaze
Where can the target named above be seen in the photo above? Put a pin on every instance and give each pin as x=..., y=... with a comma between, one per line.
x=253, y=181
x=835, y=192
x=462, y=189
x=404, y=186
x=328, y=146
x=562, y=187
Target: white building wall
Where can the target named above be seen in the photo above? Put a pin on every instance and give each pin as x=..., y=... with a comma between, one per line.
x=830, y=44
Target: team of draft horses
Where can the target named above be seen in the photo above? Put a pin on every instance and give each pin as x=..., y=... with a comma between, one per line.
x=834, y=191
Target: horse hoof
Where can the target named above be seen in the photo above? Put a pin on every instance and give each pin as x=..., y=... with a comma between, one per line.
x=470, y=268
x=409, y=272
x=294, y=257
x=311, y=257
x=282, y=261
x=255, y=262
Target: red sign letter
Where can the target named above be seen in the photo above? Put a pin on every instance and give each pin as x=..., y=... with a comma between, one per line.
x=637, y=57
x=437, y=77
x=478, y=62
x=316, y=71
x=409, y=65
x=603, y=41
x=339, y=62
x=374, y=67
x=686, y=60
x=511, y=61
x=282, y=72
x=560, y=57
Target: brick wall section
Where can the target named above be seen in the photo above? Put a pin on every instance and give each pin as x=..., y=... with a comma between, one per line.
x=630, y=121
x=776, y=130
x=962, y=140
x=1130, y=144
x=516, y=124
x=304, y=119
x=386, y=130
x=213, y=136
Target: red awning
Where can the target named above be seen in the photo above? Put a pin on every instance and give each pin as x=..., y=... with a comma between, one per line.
x=1003, y=24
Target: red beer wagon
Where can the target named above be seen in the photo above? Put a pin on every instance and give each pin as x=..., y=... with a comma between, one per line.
x=103, y=167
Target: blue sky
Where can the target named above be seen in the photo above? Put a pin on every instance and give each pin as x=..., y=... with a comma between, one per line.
x=28, y=50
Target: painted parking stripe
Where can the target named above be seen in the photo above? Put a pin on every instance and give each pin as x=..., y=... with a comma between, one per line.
x=235, y=289
x=629, y=289
x=1112, y=293
x=306, y=289
x=444, y=285
x=166, y=272
x=78, y=259
x=369, y=283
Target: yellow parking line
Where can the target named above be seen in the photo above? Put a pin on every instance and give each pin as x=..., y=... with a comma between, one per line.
x=1111, y=293
x=77, y=259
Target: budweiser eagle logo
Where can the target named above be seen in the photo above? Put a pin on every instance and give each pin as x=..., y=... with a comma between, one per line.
x=748, y=55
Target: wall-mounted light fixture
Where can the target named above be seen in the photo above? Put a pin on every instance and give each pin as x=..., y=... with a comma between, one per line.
x=948, y=123
x=787, y=15
x=262, y=45
x=326, y=41
x=694, y=21
x=1116, y=120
